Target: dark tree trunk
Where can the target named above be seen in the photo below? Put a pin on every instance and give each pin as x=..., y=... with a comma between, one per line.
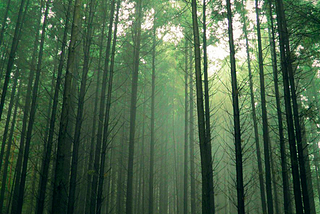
x=13, y=50
x=97, y=155
x=32, y=113
x=44, y=174
x=60, y=194
x=265, y=125
x=254, y=119
x=133, y=105
x=236, y=116
x=6, y=129
x=285, y=178
x=4, y=22
x=107, y=114
x=79, y=117
x=289, y=117
x=7, y=156
x=206, y=165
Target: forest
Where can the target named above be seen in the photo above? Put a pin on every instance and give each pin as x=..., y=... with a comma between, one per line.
x=160, y=106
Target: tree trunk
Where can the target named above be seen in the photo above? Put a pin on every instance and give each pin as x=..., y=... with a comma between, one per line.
x=107, y=114
x=285, y=178
x=6, y=129
x=133, y=105
x=289, y=118
x=60, y=194
x=265, y=125
x=48, y=148
x=8, y=151
x=13, y=50
x=96, y=166
x=152, y=140
x=236, y=116
x=4, y=22
x=255, y=124
x=185, y=174
x=206, y=170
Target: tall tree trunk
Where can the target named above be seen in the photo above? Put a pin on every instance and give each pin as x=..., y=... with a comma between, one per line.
x=289, y=117
x=95, y=111
x=186, y=122
x=207, y=111
x=206, y=170
x=107, y=114
x=44, y=174
x=79, y=118
x=265, y=125
x=13, y=50
x=8, y=151
x=32, y=114
x=254, y=119
x=191, y=138
x=152, y=140
x=60, y=194
x=236, y=116
x=133, y=105
x=6, y=129
x=96, y=166
x=19, y=162
x=285, y=178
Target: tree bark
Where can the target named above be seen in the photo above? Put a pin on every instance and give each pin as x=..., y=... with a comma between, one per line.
x=236, y=116
x=60, y=194
x=265, y=125
x=133, y=105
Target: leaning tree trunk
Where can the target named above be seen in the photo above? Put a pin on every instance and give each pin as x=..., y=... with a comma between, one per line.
x=60, y=194
x=236, y=116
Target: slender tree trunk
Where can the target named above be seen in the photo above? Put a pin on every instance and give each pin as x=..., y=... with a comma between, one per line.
x=236, y=116
x=107, y=114
x=79, y=118
x=60, y=194
x=96, y=166
x=6, y=129
x=44, y=174
x=186, y=123
x=19, y=162
x=289, y=117
x=285, y=178
x=191, y=139
x=206, y=167
x=265, y=125
x=152, y=140
x=8, y=151
x=133, y=105
x=13, y=50
x=255, y=124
